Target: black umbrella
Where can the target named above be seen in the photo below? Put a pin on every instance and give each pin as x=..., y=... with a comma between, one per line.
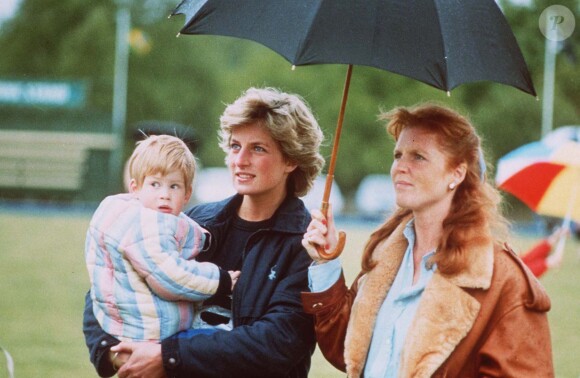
x=443, y=43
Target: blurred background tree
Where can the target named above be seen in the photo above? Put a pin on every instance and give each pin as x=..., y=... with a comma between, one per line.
x=189, y=80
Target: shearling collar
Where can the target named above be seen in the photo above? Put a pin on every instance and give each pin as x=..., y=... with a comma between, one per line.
x=445, y=314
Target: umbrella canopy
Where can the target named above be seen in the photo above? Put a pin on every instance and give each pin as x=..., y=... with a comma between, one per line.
x=546, y=179
x=443, y=43
x=561, y=135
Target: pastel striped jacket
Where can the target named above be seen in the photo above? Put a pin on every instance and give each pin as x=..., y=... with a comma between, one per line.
x=143, y=276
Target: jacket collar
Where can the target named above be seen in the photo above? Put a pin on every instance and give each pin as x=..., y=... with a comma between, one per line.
x=291, y=216
x=477, y=274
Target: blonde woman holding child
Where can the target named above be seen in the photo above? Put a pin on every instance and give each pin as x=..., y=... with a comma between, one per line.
x=271, y=142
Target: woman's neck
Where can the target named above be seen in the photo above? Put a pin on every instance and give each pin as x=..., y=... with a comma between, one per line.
x=259, y=208
x=427, y=236
x=428, y=231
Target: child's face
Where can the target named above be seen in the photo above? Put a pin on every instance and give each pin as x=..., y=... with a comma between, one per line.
x=166, y=194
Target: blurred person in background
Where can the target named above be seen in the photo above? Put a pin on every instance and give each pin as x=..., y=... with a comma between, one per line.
x=438, y=294
x=540, y=258
x=272, y=142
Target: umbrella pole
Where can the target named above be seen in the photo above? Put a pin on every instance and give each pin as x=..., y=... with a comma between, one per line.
x=330, y=176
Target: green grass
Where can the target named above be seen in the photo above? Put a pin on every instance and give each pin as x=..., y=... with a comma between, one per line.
x=43, y=281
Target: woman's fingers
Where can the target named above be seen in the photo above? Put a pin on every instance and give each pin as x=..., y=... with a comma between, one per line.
x=330, y=220
x=123, y=347
x=315, y=238
x=318, y=222
x=310, y=246
x=318, y=235
x=235, y=274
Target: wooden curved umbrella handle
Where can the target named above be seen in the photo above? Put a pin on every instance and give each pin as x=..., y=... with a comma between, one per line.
x=336, y=251
x=330, y=176
x=341, y=235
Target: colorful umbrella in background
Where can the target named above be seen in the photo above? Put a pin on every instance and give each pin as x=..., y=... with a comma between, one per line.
x=545, y=178
x=562, y=135
x=443, y=43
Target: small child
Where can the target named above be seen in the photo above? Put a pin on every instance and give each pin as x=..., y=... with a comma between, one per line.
x=140, y=249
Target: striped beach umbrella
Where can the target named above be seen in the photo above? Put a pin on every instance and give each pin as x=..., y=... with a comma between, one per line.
x=546, y=178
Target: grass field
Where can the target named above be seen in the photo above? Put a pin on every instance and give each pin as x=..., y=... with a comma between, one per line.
x=43, y=281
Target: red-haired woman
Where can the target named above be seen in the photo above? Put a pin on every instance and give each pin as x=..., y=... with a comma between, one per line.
x=438, y=294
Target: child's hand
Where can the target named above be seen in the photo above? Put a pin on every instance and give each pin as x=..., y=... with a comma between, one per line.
x=234, y=274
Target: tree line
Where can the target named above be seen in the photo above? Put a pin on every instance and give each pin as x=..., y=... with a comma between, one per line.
x=189, y=79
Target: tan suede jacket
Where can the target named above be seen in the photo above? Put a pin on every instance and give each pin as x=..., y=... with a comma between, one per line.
x=488, y=321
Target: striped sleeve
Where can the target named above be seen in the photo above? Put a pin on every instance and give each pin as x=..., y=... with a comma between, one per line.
x=154, y=252
x=190, y=236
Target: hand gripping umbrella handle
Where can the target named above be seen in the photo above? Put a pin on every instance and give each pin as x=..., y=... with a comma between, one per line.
x=339, y=246
x=330, y=176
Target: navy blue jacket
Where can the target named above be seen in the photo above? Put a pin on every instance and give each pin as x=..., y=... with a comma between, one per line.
x=272, y=336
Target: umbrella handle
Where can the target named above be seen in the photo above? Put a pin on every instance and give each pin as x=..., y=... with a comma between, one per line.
x=337, y=250
x=341, y=240
x=330, y=176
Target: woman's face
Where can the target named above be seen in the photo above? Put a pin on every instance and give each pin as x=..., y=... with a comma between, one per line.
x=256, y=163
x=420, y=173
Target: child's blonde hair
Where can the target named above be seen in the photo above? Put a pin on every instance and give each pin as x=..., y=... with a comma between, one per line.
x=160, y=154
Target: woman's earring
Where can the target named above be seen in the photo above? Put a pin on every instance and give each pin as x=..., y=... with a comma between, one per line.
x=452, y=185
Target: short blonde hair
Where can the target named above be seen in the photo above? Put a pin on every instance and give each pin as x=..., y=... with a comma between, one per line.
x=160, y=154
x=291, y=124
